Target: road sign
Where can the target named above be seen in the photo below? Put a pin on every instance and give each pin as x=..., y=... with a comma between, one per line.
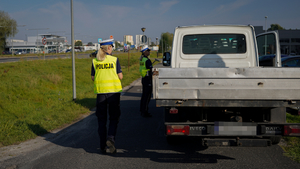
x=144, y=38
x=99, y=40
x=44, y=40
x=111, y=37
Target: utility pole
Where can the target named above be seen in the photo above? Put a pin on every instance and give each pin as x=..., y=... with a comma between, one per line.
x=73, y=53
x=266, y=23
x=162, y=46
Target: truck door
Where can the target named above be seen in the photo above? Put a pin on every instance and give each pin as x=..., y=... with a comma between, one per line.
x=269, y=49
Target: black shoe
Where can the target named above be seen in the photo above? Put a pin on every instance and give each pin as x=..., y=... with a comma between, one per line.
x=111, y=146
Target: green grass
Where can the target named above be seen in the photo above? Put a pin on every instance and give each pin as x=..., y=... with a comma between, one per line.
x=292, y=149
x=37, y=97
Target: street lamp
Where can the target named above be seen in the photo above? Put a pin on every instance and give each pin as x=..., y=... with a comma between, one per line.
x=157, y=47
x=37, y=34
x=73, y=54
x=143, y=29
x=266, y=23
x=12, y=41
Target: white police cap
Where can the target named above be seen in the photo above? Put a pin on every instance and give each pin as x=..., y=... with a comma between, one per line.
x=145, y=48
x=107, y=42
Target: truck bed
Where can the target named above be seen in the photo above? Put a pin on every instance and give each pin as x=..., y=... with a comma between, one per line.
x=257, y=83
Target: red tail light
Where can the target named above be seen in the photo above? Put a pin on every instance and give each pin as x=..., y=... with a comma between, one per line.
x=178, y=130
x=292, y=130
x=173, y=111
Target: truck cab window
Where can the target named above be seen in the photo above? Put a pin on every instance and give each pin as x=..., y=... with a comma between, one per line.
x=214, y=44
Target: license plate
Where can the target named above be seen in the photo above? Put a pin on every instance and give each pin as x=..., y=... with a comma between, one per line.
x=235, y=128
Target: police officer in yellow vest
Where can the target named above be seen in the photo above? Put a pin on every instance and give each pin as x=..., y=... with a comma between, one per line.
x=107, y=76
x=146, y=72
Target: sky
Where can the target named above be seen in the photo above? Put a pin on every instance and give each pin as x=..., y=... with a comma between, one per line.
x=95, y=19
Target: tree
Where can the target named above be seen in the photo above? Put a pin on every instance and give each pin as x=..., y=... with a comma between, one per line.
x=166, y=40
x=90, y=44
x=78, y=43
x=275, y=27
x=117, y=44
x=152, y=44
x=8, y=28
x=128, y=43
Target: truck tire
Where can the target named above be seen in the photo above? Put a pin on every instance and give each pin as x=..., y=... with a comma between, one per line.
x=173, y=140
x=275, y=139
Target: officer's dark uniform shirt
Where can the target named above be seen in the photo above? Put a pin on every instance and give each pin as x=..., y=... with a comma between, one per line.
x=119, y=70
x=148, y=78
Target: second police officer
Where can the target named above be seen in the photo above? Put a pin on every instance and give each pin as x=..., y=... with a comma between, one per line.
x=146, y=73
x=107, y=75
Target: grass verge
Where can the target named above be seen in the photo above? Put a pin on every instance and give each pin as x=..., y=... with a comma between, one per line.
x=37, y=97
x=292, y=149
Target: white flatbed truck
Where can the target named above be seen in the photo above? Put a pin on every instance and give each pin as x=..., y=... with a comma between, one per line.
x=214, y=88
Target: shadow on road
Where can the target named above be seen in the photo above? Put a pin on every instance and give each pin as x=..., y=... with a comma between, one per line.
x=137, y=137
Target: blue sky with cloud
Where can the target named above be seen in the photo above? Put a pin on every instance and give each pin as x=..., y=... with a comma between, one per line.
x=95, y=19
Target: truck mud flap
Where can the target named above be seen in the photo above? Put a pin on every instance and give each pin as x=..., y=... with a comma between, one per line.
x=237, y=142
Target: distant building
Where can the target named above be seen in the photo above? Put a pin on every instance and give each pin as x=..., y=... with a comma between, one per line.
x=34, y=44
x=128, y=38
x=289, y=40
x=148, y=41
x=139, y=41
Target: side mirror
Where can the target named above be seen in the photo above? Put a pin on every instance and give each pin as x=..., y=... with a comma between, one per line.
x=167, y=59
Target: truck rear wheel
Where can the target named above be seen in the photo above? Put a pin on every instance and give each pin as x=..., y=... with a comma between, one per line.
x=173, y=140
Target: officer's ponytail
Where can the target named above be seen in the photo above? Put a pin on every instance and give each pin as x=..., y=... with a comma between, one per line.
x=101, y=55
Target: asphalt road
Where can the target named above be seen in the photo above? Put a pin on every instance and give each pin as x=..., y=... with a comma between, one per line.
x=140, y=143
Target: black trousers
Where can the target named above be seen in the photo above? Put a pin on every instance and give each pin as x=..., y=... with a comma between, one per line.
x=146, y=95
x=112, y=102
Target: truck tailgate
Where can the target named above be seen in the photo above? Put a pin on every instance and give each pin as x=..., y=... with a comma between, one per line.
x=227, y=83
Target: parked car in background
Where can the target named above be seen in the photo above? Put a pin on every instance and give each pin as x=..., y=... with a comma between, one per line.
x=52, y=51
x=94, y=54
x=267, y=60
x=20, y=52
x=291, y=61
x=6, y=52
x=119, y=49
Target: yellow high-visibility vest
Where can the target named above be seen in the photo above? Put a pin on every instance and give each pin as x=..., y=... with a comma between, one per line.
x=143, y=69
x=106, y=79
